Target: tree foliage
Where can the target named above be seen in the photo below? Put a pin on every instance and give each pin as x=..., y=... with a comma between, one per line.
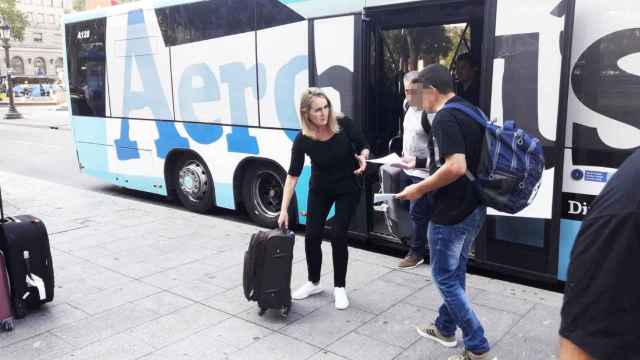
x=13, y=17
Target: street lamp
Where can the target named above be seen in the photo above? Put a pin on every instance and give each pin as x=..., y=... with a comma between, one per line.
x=5, y=32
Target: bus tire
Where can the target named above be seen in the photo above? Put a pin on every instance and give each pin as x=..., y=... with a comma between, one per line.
x=262, y=187
x=194, y=184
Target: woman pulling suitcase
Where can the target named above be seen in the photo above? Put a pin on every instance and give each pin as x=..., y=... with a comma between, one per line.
x=338, y=153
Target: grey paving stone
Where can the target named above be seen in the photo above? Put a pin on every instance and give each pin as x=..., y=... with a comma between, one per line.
x=44, y=346
x=231, y=301
x=228, y=279
x=271, y=319
x=396, y=326
x=177, y=276
x=360, y=273
x=326, y=355
x=163, y=303
x=425, y=349
x=119, y=347
x=177, y=325
x=276, y=347
x=359, y=347
x=503, y=302
x=378, y=296
x=496, y=323
x=106, y=324
x=406, y=279
x=429, y=297
x=50, y=316
x=236, y=332
x=326, y=325
x=113, y=297
x=313, y=303
x=195, y=347
x=197, y=290
x=535, y=336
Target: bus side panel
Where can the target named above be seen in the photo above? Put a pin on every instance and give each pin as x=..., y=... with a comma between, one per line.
x=526, y=68
x=602, y=120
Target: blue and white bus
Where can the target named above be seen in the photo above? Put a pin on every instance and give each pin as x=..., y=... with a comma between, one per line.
x=196, y=99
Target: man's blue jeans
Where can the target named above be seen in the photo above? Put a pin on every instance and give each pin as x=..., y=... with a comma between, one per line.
x=449, y=246
x=420, y=212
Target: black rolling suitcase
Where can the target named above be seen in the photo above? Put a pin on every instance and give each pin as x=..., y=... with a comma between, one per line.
x=25, y=243
x=267, y=270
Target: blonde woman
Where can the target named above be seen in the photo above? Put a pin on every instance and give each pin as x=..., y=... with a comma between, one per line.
x=338, y=153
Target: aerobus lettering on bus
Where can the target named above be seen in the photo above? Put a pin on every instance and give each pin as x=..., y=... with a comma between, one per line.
x=236, y=75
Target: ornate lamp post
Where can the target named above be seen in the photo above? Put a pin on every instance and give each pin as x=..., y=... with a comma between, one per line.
x=5, y=34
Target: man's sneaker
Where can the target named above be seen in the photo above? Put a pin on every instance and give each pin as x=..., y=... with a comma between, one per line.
x=410, y=262
x=306, y=290
x=468, y=355
x=340, y=295
x=431, y=332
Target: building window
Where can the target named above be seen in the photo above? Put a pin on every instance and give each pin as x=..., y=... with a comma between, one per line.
x=51, y=19
x=37, y=36
x=17, y=64
x=40, y=18
x=40, y=66
x=59, y=63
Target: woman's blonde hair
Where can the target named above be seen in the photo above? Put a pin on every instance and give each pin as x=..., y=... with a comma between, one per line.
x=308, y=128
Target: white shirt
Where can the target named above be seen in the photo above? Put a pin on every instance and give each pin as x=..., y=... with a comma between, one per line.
x=415, y=140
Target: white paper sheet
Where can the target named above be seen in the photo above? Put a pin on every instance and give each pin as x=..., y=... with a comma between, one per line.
x=392, y=158
x=383, y=197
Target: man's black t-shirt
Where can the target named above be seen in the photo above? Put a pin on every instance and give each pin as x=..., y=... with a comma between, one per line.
x=601, y=310
x=454, y=132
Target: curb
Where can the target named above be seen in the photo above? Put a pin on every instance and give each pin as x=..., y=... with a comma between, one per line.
x=35, y=125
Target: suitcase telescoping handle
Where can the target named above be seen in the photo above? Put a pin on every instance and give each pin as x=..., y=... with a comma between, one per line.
x=1, y=209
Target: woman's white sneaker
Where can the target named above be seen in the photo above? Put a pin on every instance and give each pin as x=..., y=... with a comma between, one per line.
x=306, y=290
x=340, y=295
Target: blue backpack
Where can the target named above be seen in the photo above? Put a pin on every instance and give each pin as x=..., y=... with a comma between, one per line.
x=511, y=164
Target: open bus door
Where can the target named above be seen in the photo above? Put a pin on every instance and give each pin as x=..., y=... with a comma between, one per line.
x=524, y=49
x=527, y=49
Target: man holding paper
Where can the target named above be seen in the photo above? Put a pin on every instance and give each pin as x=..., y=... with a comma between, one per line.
x=414, y=145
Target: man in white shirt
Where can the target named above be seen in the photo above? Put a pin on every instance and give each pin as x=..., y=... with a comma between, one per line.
x=414, y=145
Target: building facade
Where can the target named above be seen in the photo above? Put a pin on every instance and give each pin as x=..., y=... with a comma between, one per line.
x=38, y=58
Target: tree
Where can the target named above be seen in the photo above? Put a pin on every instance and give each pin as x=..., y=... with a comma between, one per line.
x=79, y=5
x=14, y=18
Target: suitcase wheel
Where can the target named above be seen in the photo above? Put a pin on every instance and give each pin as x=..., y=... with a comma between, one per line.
x=262, y=311
x=7, y=325
x=19, y=308
x=284, y=311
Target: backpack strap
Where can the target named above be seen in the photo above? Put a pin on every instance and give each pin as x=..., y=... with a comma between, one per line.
x=474, y=113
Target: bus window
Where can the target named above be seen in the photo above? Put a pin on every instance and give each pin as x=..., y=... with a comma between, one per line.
x=86, y=63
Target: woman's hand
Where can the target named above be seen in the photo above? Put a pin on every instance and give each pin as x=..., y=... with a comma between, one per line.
x=283, y=220
x=362, y=161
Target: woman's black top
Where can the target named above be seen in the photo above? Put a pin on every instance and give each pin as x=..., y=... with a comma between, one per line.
x=332, y=161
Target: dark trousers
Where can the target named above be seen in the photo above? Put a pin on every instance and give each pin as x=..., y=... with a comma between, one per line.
x=420, y=212
x=319, y=205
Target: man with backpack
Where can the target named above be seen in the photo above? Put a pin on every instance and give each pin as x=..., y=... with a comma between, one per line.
x=455, y=147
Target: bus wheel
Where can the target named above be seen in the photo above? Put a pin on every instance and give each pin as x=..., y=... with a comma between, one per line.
x=262, y=189
x=194, y=184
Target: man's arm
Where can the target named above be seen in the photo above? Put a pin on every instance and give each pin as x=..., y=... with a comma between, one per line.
x=570, y=351
x=455, y=166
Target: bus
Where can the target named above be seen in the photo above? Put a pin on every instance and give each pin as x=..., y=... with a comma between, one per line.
x=196, y=100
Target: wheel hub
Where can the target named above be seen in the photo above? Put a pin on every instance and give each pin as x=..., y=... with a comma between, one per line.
x=193, y=181
x=267, y=193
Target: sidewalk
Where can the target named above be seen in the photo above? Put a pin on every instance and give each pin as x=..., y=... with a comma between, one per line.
x=39, y=116
x=144, y=281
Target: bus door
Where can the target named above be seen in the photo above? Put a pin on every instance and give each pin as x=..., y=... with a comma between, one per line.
x=398, y=38
x=527, y=53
